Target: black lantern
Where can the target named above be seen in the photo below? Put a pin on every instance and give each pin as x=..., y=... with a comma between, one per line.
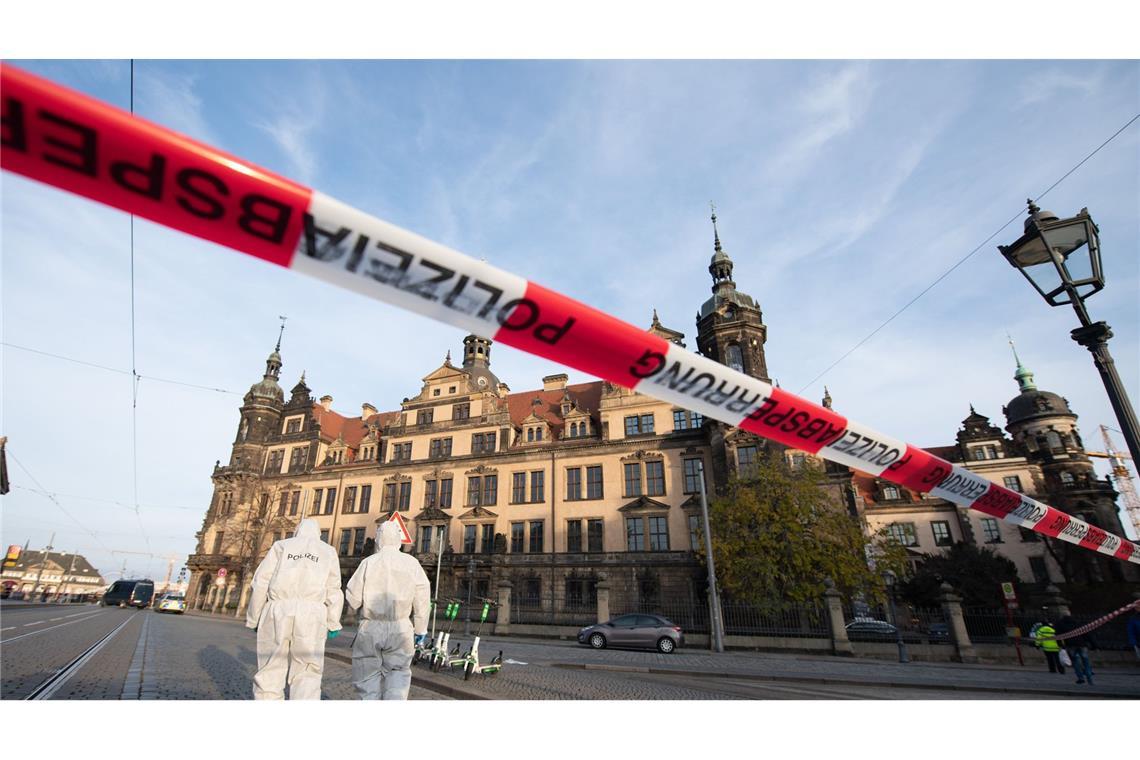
x=1052, y=256
x=1049, y=255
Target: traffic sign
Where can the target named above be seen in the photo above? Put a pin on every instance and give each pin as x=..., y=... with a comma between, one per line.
x=1007, y=591
x=399, y=520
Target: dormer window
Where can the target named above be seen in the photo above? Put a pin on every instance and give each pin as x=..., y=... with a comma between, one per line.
x=891, y=493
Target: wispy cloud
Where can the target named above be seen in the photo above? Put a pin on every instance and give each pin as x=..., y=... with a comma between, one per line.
x=169, y=98
x=1044, y=85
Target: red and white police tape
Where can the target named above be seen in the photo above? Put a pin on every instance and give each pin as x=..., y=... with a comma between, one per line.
x=74, y=142
x=1098, y=622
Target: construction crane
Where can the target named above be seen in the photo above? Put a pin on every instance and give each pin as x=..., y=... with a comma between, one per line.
x=170, y=560
x=1121, y=478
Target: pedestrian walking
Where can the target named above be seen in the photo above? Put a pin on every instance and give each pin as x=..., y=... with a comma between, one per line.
x=393, y=590
x=1046, y=636
x=1078, y=648
x=294, y=606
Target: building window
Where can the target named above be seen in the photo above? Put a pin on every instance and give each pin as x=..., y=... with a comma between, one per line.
x=633, y=479
x=518, y=488
x=530, y=435
x=594, y=482
x=293, y=425
x=365, y=498
x=483, y=443
x=487, y=545
x=536, y=537
x=639, y=424
x=282, y=504
x=1013, y=483
x=518, y=539
x=991, y=530
x=297, y=458
x=658, y=534
x=890, y=493
x=435, y=391
x=1039, y=569
x=692, y=475
x=431, y=491
x=405, y=496
x=941, y=530
x=697, y=419
x=439, y=448
x=903, y=533
x=1028, y=535
x=389, y=501
x=402, y=452
x=461, y=412
x=349, y=505
x=538, y=486
x=733, y=358
x=746, y=459
x=425, y=539
x=219, y=537
x=574, y=536
x=325, y=535
x=316, y=509
x=694, y=532
x=490, y=489
x=574, y=484
x=468, y=539
x=573, y=429
x=295, y=504
x=423, y=416
x=680, y=420
x=594, y=535
x=655, y=478
x=330, y=501
x=634, y=534
x=273, y=464
x=1067, y=478
x=581, y=593
x=445, y=493
x=345, y=542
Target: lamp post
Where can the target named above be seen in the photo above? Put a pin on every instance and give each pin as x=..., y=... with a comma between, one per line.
x=1050, y=256
x=889, y=578
x=470, y=590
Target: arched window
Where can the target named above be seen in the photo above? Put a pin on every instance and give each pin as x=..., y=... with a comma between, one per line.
x=1054, y=440
x=530, y=434
x=538, y=434
x=734, y=358
x=573, y=429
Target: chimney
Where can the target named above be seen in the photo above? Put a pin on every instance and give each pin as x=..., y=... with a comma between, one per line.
x=326, y=403
x=366, y=410
x=554, y=382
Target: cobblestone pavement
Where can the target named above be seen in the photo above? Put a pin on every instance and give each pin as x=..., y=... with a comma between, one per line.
x=39, y=641
x=206, y=657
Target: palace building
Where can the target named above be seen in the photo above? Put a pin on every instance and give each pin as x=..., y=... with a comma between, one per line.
x=556, y=488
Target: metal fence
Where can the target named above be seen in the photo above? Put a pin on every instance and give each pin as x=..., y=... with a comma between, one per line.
x=914, y=625
x=990, y=626
x=557, y=611
x=740, y=619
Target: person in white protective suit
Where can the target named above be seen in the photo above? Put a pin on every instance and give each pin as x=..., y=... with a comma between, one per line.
x=294, y=606
x=393, y=590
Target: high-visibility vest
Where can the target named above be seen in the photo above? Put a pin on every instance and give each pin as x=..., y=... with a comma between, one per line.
x=1045, y=639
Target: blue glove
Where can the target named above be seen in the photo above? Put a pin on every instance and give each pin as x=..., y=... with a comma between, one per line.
x=333, y=634
x=421, y=639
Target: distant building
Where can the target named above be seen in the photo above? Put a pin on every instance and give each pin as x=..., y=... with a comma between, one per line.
x=554, y=488
x=57, y=573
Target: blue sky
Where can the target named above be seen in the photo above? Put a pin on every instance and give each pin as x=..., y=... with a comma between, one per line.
x=842, y=188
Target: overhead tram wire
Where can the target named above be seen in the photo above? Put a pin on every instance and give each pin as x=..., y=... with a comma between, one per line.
x=124, y=505
x=964, y=259
x=55, y=501
x=151, y=378
x=134, y=365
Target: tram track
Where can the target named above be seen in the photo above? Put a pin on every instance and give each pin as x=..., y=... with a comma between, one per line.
x=60, y=677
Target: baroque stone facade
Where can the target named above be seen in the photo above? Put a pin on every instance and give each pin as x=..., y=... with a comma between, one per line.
x=557, y=488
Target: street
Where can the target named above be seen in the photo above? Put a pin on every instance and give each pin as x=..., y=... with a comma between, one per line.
x=89, y=652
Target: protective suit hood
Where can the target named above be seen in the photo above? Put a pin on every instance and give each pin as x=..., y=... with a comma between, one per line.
x=389, y=534
x=309, y=528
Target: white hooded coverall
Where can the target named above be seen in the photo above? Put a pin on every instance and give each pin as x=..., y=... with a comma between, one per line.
x=391, y=586
x=295, y=600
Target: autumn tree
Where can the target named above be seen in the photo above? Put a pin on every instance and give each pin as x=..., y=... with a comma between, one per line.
x=777, y=535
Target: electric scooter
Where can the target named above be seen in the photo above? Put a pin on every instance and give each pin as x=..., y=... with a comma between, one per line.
x=438, y=655
x=423, y=650
x=470, y=659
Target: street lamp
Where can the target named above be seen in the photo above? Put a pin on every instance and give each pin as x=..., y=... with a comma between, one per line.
x=470, y=589
x=1050, y=256
x=890, y=579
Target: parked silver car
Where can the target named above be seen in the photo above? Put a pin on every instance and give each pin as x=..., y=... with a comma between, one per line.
x=651, y=631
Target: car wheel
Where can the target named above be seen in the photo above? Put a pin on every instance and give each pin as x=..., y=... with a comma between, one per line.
x=467, y=669
x=665, y=645
x=597, y=641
